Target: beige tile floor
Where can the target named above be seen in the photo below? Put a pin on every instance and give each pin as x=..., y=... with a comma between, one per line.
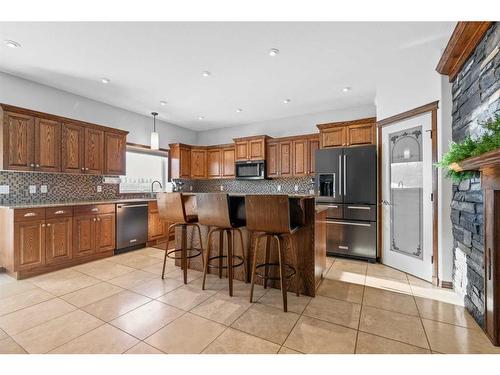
x=121, y=305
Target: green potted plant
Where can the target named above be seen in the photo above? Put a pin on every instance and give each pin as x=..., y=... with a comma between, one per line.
x=470, y=147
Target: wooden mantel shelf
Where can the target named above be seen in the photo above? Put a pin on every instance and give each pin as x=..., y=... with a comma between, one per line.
x=479, y=163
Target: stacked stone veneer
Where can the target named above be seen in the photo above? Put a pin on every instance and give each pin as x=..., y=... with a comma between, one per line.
x=476, y=97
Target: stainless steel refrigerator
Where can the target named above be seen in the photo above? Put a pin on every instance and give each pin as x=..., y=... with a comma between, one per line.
x=346, y=183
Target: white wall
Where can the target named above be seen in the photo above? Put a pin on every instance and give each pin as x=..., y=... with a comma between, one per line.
x=28, y=94
x=284, y=126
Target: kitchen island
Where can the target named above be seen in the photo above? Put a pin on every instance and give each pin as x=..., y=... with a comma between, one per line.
x=311, y=260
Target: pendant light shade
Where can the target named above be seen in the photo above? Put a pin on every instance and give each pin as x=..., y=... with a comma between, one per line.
x=155, y=137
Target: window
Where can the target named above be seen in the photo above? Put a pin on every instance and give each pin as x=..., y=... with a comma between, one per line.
x=144, y=167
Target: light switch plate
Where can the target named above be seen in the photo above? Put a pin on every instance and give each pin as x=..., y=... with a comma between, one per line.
x=99, y=188
x=4, y=189
x=43, y=189
x=190, y=188
x=32, y=189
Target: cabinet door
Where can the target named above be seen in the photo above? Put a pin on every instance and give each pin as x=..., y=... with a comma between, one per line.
x=185, y=163
x=198, y=163
x=84, y=235
x=313, y=146
x=58, y=240
x=241, y=150
x=73, y=146
x=115, y=154
x=300, y=157
x=94, y=151
x=257, y=149
x=333, y=137
x=156, y=226
x=18, y=142
x=362, y=134
x=228, y=160
x=29, y=244
x=105, y=232
x=272, y=159
x=285, y=159
x=47, y=145
x=214, y=169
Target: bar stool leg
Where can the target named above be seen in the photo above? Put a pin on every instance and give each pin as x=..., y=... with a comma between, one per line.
x=243, y=255
x=254, y=266
x=296, y=265
x=230, y=243
x=206, y=255
x=166, y=250
x=201, y=241
x=282, y=271
x=184, y=252
x=266, y=267
x=221, y=252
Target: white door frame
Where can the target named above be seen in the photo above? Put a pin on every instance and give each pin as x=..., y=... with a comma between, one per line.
x=432, y=108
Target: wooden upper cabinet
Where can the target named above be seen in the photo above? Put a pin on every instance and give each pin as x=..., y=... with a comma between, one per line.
x=313, y=146
x=257, y=149
x=115, y=151
x=251, y=148
x=185, y=163
x=285, y=159
x=300, y=157
x=58, y=240
x=214, y=165
x=180, y=161
x=198, y=163
x=94, y=151
x=241, y=150
x=228, y=160
x=73, y=148
x=18, y=141
x=47, y=145
x=105, y=232
x=272, y=159
x=348, y=133
x=29, y=244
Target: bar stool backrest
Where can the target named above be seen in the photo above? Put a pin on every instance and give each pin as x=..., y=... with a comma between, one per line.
x=268, y=213
x=171, y=207
x=213, y=209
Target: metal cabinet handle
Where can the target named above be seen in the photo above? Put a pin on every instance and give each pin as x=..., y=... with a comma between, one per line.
x=98, y=219
x=48, y=225
x=60, y=212
x=95, y=209
x=359, y=208
x=94, y=219
x=83, y=168
x=29, y=214
x=38, y=166
x=32, y=165
x=43, y=225
x=348, y=223
x=489, y=263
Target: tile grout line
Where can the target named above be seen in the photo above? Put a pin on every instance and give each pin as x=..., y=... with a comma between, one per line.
x=360, y=313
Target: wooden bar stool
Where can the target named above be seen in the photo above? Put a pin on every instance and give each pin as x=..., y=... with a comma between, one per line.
x=171, y=207
x=271, y=215
x=215, y=210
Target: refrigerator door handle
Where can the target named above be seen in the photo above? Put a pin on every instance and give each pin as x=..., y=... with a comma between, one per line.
x=345, y=172
x=340, y=174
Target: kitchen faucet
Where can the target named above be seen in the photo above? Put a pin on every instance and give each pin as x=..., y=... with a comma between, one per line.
x=152, y=187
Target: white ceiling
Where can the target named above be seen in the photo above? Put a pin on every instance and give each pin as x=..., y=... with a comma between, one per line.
x=149, y=62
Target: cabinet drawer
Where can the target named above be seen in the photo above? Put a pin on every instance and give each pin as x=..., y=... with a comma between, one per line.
x=55, y=212
x=95, y=209
x=360, y=212
x=26, y=214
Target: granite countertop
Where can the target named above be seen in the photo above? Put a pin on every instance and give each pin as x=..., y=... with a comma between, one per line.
x=243, y=194
x=74, y=203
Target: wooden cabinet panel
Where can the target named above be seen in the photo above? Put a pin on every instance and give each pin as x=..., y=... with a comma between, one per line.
x=115, y=152
x=313, y=146
x=242, y=150
x=29, y=244
x=83, y=235
x=105, y=232
x=157, y=228
x=272, y=164
x=58, y=240
x=72, y=148
x=228, y=160
x=94, y=151
x=333, y=137
x=198, y=163
x=300, y=157
x=47, y=145
x=29, y=214
x=185, y=163
x=18, y=141
x=257, y=149
x=180, y=161
x=285, y=159
x=214, y=169
x=362, y=134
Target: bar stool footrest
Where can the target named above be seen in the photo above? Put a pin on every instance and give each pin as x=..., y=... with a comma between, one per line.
x=289, y=271
x=222, y=257
x=197, y=252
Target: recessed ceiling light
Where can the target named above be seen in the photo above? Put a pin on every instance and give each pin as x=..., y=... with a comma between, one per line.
x=105, y=80
x=201, y=117
x=286, y=101
x=163, y=103
x=12, y=44
x=274, y=51
x=346, y=89
x=206, y=73
x=239, y=110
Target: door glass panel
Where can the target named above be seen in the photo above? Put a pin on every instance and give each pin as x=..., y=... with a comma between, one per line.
x=406, y=180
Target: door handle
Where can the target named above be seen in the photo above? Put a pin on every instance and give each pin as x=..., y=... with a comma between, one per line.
x=359, y=208
x=340, y=172
x=345, y=172
x=60, y=212
x=348, y=223
x=95, y=209
x=489, y=263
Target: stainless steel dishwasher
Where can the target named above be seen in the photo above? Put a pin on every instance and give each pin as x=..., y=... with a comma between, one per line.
x=131, y=225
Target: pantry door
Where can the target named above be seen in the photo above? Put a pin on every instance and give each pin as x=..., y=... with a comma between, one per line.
x=407, y=186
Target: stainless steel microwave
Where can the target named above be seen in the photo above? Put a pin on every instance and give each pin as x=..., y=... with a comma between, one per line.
x=252, y=169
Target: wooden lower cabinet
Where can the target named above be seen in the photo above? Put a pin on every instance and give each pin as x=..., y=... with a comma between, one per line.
x=84, y=235
x=105, y=232
x=29, y=244
x=157, y=228
x=58, y=240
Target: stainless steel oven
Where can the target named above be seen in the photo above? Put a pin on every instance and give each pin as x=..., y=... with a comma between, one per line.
x=251, y=169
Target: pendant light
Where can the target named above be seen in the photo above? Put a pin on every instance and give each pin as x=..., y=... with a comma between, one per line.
x=155, y=137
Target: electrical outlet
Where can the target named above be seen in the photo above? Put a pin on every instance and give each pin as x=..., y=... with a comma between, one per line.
x=99, y=188
x=4, y=189
x=32, y=189
x=296, y=188
x=43, y=189
x=190, y=188
x=278, y=187
x=222, y=188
